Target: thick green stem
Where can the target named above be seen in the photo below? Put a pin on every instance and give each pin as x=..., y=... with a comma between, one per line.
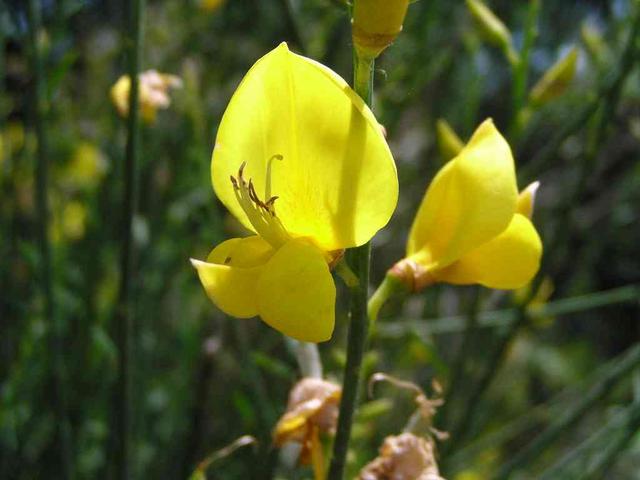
x=629, y=361
x=123, y=408
x=358, y=259
x=42, y=208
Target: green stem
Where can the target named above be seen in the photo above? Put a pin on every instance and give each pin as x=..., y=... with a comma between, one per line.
x=42, y=224
x=630, y=360
x=463, y=352
x=502, y=318
x=604, y=461
x=358, y=259
x=564, y=223
x=124, y=311
x=608, y=94
x=389, y=287
x=521, y=68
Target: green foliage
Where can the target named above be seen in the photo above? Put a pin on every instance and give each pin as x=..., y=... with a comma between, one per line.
x=200, y=379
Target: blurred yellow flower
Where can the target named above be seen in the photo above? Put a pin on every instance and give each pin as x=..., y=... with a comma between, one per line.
x=468, y=228
x=71, y=222
x=154, y=93
x=87, y=166
x=211, y=5
x=295, y=131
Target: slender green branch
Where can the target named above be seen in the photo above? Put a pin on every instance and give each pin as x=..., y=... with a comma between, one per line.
x=358, y=259
x=521, y=68
x=630, y=360
x=52, y=317
x=598, y=469
x=502, y=318
x=559, y=469
x=462, y=355
x=464, y=428
x=124, y=311
x=607, y=94
x=389, y=287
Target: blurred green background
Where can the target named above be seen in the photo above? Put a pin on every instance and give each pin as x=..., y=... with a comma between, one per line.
x=201, y=380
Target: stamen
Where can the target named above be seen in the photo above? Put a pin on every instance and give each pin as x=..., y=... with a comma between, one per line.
x=262, y=215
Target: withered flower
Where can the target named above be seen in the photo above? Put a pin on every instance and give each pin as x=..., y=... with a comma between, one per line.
x=403, y=457
x=312, y=409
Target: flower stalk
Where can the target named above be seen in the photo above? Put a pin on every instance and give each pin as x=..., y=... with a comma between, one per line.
x=63, y=440
x=123, y=409
x=358, y=259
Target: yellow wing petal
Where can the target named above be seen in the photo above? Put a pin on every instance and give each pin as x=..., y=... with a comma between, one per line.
x=336, y=182
x=508, y=261
x=471, y=200
x=231, y=272
x=296, y=293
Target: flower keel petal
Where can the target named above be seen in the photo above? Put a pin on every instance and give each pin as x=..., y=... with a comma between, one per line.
x=508, y=261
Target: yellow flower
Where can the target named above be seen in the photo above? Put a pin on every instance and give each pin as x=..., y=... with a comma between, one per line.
x=471, y=226
x=376, y=24
x=154, y=93
x=301, y=161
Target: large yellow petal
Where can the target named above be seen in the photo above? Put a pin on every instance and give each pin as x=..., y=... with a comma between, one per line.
x=296, y=293
x=508, y=261
x=336, y=183
x=231, y=272
x=471, y=200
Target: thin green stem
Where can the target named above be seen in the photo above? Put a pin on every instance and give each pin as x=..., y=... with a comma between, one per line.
x=359, y=259
x=560, y=468
x=607, y=94
x=465, y=427
x=521, y=67
x=389, y=287
x=502, y=318
x=42, y=207
x=124, y=310
x=630, y=360
x=463, y=353
x=598, y=469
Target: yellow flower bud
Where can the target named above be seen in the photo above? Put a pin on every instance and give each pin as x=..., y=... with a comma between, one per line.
x=593, y=42
x=449, y=142
x=555, y=80
x=376, y=24
x=527, y=199
x=491, y=26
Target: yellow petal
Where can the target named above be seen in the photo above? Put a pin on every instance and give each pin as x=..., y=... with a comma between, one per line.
x=508, y=261
x=296, y=294
x=231, y=272
x=527, y=199
x=470, y=201
x=336, y=183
